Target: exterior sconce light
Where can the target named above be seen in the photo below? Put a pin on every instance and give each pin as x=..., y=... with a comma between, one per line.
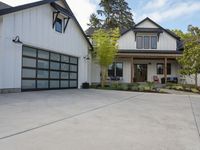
x=17, y=40
x=86, y=57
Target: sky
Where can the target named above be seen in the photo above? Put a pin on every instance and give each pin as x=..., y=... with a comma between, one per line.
x=170, y=14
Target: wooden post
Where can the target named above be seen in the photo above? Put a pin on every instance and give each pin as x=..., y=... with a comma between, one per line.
x=165, y=70
x=132, y=68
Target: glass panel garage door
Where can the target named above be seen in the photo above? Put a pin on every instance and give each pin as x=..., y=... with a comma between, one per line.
x=42, y=70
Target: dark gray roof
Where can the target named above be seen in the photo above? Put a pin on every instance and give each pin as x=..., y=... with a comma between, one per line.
x=151, y=51
x=166, y=30
x=154, y=30
x=66, y=10
x=3, y=5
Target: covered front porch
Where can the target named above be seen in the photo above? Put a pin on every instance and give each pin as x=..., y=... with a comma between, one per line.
x=149, y=67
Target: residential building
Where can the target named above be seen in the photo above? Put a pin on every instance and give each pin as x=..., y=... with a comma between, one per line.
x=147, y=52
x=42, y=46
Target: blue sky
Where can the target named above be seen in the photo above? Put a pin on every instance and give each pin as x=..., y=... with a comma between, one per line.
x=168, y=13
x=171, y=14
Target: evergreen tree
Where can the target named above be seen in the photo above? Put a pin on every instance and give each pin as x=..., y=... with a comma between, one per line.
x=94, y=22
x=115, y=13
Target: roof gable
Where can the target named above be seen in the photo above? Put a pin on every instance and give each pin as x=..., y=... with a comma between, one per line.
x=148, y=21
x=3, y=5
x=146, y=24
x=66, y=10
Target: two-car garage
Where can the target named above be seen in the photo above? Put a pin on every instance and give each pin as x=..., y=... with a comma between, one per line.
x=44, y=70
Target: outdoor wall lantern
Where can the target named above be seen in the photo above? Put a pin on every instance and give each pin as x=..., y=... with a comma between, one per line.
x=17, y=40
x=86, y=57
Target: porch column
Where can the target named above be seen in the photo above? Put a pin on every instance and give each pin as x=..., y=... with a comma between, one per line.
x=165, y=70
x=132, y=69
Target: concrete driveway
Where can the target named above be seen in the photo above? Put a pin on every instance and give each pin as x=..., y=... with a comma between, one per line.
x=99, y=120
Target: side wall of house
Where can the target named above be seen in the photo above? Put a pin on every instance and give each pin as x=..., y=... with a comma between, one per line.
x=1, y=52
x=34, y=27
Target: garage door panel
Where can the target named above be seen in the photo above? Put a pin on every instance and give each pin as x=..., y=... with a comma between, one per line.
x=43, y=69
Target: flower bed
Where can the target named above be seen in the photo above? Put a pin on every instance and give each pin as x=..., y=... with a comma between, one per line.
x=143, y=87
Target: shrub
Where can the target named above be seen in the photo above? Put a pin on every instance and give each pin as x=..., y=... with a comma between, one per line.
x=134, y=86
x=141, y=88
x=194, y=90
x=123, y=87
x=114, y=86
x=151, y=85
x=178, y=87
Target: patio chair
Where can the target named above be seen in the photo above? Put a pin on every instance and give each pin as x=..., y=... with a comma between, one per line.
x=156, y=79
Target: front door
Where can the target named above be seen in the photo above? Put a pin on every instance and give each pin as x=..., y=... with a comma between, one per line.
x=140, y=72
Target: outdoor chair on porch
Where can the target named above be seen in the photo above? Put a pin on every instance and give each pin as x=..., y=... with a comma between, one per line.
x=156, y=79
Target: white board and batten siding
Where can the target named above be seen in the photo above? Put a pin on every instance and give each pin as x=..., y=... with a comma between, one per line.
x=166, y=41
x=34, y=27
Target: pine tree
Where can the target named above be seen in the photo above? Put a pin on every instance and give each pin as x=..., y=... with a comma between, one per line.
x=94, y=21
x=115, y=13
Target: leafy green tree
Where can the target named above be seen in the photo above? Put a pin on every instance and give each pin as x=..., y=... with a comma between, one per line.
x=105, y=49
x=190, y=61
x=114, y=14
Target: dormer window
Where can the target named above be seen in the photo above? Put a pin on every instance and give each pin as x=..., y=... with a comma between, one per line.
x=146, y=42
x=58, y=25
x=154, y=42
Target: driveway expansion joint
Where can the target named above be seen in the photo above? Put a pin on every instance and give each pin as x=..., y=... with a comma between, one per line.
x=70, y=117
x=195, y=119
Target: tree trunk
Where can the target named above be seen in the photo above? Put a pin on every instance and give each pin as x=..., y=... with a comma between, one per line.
x=103, y=76
x=196, y=80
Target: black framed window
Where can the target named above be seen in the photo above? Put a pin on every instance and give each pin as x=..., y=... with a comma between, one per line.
x=43, y=69
x=115, y=70
x=146, y=42
x=169, y=69
x=154, y=42
x=160, y=68
x=58, y=25
x=139, y=42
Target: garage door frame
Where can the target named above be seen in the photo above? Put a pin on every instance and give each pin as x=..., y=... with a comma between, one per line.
x=49, y=70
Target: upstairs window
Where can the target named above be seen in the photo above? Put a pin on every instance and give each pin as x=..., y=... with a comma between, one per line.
x=139, y=41
x=154, y=42
x=146, y=42
x=58, y=25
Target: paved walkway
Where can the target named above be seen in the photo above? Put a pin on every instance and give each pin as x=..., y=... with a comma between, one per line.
x=99, y=120
x=170, y=91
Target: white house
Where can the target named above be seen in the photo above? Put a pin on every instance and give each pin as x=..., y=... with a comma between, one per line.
x=147, y=52
x=42, y=46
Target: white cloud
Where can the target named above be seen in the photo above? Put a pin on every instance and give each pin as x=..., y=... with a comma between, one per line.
x=81, y=8
x=171, y=12
x=154, y=4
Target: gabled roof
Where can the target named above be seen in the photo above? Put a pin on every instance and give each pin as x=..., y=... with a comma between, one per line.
x=3, y=5
x=34, y=4
x=160, y=27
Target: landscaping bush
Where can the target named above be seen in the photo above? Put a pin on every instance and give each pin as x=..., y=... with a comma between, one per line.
x=151, y=85
x=194, y=90
x=123, y=87
x=141, y=88
x=114, y=86
x=134, y=86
